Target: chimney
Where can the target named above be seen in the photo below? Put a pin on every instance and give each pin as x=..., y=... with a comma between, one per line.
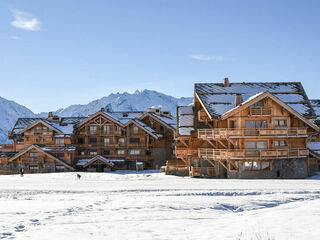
x=226, y=82
x=102, y=109
x=238, y=99
x=50, y=115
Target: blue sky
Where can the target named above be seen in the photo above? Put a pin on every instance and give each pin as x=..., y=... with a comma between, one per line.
x=57, y=53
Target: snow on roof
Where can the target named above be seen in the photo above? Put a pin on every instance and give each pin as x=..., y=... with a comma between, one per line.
x=171, y=121
x=219, y=99
x=314, y=145
x=315, y=103
x=84, y=161
x=147, y=127
x=65, y=125
x=58, y=149
x=124, y=117
x=185, y=117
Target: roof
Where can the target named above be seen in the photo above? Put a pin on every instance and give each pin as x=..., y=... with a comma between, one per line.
x=147, y=128
x=218, y=99
x=65, y=125
x=124, y=117
x=87, y=161
x=41, y=150
x=59, y=149
x=185, y=119
x=315, y=103
x=258, y=97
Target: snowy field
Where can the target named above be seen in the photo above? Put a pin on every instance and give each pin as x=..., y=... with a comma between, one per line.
x=152, y=205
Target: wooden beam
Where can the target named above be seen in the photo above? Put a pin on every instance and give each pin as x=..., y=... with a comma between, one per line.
x=222, y=164
x=222, y=143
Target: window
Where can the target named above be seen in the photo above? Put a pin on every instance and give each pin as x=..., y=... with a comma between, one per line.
x=233, y=124
x=93, y=129
x=38, y=140
x=134, y=140
x=117, y=128
x=120, y=152
x=260, y=104
x=256, y=124
x=106, y=128
x=134, y=151
x=59, y=168
x=21, y=141
x=33, y=154
x=106, y=141
x=80, y=140
x=43, y=140
x=33, y=167
x=280, y=143
x=256, y=145
x=106, y=152
x=93, y=153
x=93, y=140
x=59, y=141
x=60, y=155
x=121, y=140
x=82, y=153
x=256, y=165
x=280, y=123
x=135, y=130
x=44, y=128
x=38, y=128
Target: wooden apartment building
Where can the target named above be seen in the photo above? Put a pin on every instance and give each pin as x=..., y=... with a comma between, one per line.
x=245, y=130
x=103, y=141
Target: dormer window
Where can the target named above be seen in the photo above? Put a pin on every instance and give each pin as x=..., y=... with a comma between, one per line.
x=260, y=104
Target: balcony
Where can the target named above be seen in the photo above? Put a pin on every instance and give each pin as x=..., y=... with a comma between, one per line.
x=32, y=160
x=234, y=154
x=260, y=111
x=101, y=133
x=251, y=132
x=185, y=151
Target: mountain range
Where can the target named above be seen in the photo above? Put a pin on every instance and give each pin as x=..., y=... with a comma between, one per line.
x=10, y=111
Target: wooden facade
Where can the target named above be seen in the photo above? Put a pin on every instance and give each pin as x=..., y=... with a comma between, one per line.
x=123, y=139
x=262, y=137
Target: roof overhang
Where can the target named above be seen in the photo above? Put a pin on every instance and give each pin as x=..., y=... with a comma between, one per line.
x=203, y=105
x=37, y=122
x=263, y=95
x=97, y=114
x=44, y=152
x=142, y=127
x=147, y=114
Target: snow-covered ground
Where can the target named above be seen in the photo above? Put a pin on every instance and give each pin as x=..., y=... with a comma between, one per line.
x=152, y=205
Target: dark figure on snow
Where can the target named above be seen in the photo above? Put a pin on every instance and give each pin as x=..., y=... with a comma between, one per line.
x=79, y=176
x=21, y=172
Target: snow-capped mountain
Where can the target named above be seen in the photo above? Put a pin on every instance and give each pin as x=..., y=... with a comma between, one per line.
x=139, y=100
x=9, y=113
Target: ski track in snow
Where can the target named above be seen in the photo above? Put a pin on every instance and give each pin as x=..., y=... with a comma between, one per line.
x=153, y=206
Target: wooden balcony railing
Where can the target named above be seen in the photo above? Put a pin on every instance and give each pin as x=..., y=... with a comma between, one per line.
x=185, y=151
x=38, y=133
x=101, y=133
x=32, y=160
x=195, y=172
x=224, y=154
x=260, y=111
x=251, y=132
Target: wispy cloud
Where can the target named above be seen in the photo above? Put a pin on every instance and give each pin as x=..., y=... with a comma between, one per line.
x=207, y=57
x=25, y=21
x=15, y=37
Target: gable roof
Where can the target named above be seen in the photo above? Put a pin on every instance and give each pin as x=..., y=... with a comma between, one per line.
x=39, y=149
x=64, y=126
x=258, y=97
x=217, y=99
x=87, y=161
x=169, y=122
x=104, y=114
x=145, y=127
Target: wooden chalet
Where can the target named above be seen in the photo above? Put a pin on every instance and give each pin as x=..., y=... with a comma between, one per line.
x=101, y=142
x=40, y=145
x=125, y=139
x=245, y=130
